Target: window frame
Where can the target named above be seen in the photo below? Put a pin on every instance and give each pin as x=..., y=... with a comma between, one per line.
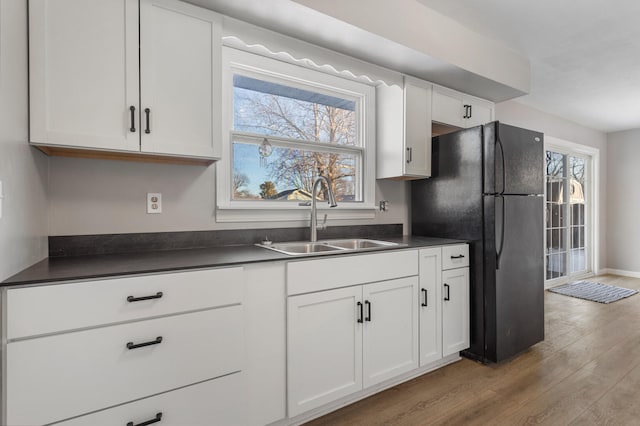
x=270, y=69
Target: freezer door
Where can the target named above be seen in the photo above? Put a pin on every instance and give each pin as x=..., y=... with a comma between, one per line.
x=518, y=275
x=514, y=160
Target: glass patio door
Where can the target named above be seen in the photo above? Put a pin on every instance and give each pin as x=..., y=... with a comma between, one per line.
x=567, y=221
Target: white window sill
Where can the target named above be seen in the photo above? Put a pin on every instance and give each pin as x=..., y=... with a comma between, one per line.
x=301, y=214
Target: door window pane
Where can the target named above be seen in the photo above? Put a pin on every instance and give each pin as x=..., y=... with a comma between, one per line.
x=566, y=214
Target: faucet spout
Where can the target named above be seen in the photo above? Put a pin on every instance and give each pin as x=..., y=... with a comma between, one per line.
x=314, y=214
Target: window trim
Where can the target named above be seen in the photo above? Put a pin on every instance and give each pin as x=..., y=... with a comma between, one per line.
x=253, y=65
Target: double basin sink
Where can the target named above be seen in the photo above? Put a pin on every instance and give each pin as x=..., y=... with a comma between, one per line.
x=328, y=246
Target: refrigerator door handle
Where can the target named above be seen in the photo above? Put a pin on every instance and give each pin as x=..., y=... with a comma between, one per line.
x=504, y=170
x=502, y=228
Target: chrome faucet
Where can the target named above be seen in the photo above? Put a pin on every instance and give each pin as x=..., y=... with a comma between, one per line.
x=314, y=214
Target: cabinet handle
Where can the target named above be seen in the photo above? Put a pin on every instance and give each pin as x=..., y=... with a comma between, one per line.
x=424, y=292
x=446, y=287
x=131, y=345
x=360, y=312
x=467, y=111
x=409, y=154
x=147, y=113
x=148, y=422
x=460, y=256
x=158, y=295
x=470, y=110
x=368, y=318
x=132, y=129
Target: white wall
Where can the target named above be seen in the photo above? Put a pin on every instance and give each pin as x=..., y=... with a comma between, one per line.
x=517, y=114
x=103, y=197
x=23, y=170
x=623, y=177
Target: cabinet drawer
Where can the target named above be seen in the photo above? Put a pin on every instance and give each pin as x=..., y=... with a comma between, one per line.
x=455, y=256
x=324, y=274
x=53, y=308
x=75, y=373
x=216, y=402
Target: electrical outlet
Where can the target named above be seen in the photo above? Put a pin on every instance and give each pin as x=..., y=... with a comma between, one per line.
x=154, y=203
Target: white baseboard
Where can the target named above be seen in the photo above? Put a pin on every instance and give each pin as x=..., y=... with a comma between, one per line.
x=621, y=272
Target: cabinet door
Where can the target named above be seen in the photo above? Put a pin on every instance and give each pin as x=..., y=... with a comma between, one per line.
x=447, y=107
x=390, y=339
x=324, y=347
x=180, y=81
x=265, y=399
x=417, y=135
x=430, y=305
x=83, y=73
x=455, y=310
x=481, y=113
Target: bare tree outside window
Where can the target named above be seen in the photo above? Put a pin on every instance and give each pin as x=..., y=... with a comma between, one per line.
x=304, y=116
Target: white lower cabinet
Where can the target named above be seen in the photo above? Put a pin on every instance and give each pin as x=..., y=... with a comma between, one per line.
x=341, y=341
x=75, y=373
x=444, y=302
x=268, y=343
x=324, y=352
x=390, y=337
x=215, y=402
x=455, y=310
x=430, y=305
x=264, y=399
x=127, y=349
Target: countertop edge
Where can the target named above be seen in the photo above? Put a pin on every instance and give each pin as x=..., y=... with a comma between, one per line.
x=59, y=270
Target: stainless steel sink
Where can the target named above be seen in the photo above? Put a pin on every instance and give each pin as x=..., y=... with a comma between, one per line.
x=300, y=248
x=360, y=244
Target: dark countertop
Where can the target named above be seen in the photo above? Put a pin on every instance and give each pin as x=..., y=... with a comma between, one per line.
x=107, y=265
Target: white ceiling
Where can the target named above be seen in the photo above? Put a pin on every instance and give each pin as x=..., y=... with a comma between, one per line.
x=585, y=55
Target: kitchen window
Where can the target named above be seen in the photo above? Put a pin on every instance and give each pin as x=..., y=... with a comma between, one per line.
x=284, y=125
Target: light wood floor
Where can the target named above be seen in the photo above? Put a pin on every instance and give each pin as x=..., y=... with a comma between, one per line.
x=586, y=372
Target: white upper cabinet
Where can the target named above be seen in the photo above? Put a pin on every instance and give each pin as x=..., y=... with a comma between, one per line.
x=404, y=130
x=136, y=76
x=179, y=79
x=83, y=73
x=458, y=109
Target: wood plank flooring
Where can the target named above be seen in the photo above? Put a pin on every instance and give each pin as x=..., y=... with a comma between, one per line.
x=586, y=372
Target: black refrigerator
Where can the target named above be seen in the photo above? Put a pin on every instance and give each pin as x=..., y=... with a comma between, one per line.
x=487, y=187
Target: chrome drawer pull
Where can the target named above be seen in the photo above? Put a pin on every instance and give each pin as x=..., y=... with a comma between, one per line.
x=158, y=295
x=148, y=422
x=132, y=345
